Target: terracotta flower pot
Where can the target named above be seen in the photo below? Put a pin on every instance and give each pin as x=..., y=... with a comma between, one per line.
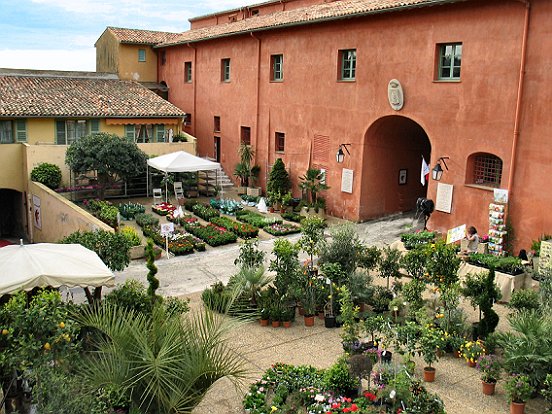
x=287, y=324
x=456, y=354
x=488, y=387
x=275, y=324
x=301, y=310
x=309, y=320
x=429, y=374
x=263, y=322
x=517, y=408
x=471, y=363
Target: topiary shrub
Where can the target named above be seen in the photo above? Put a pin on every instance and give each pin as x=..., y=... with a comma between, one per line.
x=47, y=174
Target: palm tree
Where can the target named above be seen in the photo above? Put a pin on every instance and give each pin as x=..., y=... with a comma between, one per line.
x=165, y=364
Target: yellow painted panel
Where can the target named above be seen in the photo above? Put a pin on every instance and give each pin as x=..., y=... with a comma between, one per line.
x=130, y=68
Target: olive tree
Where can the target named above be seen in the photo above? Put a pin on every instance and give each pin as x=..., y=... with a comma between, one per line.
x=111, y=157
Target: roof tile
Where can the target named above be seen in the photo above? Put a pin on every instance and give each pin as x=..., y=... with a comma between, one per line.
x=34, y=96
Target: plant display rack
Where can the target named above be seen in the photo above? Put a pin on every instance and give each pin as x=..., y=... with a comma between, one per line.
x=497, y=229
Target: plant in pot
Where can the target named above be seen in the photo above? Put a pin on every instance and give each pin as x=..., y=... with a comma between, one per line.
x=242, y=172
x=490, y=368
x=275, y=314
x=380, y=299
x=309, y=300
x=278, y=179
x=286, y=201
x=471, y=351
x=374, y=323
x=288, y=315
x=518, y=391
x=388, y=265
x=312, y=236
x=350, y=331
x=253, y=190
x=483, y=292
x=312, y=182
x=431, y=340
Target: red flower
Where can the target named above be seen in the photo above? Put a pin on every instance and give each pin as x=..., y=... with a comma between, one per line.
x=346, y=410
x=370, y=396
x=354, y=407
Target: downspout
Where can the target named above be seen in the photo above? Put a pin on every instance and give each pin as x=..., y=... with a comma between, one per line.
x=258, y=94
x=194, y=83
x=519, y=99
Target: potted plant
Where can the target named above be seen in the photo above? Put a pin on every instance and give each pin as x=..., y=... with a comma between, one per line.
x=518, y=391
x=253, y=190
x=455, y=342
x=242, y=172
x=471, y=351
x=309, y=300
x=312, y=235
x=489, y=367
x=312, y=183
x=430, y=342
x=286, y=201
x=288, y=314
x=275, y=314
x=278, y=179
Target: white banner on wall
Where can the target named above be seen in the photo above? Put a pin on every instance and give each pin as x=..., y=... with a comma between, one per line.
x=346, y=180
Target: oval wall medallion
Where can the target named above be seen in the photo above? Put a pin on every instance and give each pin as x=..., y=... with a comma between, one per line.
x=395, y=94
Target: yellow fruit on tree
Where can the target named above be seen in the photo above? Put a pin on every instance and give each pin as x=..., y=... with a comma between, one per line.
x=62, y=325
x=47, y=346
x=5, y=332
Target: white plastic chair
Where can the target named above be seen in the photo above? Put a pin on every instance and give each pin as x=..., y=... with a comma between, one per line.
x=157, y=195
x=178, y=190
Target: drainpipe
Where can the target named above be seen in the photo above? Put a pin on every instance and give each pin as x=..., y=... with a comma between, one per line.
x=194, y=83
x=521, y=80
x=258, y=92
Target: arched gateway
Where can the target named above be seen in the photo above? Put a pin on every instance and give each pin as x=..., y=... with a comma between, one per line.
x=392, y=160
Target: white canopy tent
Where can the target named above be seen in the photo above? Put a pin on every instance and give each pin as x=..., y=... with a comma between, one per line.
x=180, y=161
x=25, y=267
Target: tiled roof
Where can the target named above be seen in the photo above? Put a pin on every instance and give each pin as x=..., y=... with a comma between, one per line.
x=341, y=9
x=141, y=37
x=35, y=96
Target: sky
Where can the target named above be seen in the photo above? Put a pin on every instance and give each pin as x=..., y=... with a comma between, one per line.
x=60, y=34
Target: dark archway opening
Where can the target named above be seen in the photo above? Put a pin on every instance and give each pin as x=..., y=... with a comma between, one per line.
x=394, y=146
x=12, y=220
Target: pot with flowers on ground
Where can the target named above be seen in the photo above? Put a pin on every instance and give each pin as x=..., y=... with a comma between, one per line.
x=518, y=391
x=471, y=350
x=490, y=368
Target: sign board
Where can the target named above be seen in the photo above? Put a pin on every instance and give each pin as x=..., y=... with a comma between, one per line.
x=444, y=197
x=167, y=228
x=37, y=213
x=455, y=234
x=346, y=180
x=500, y=195
x=545, y=254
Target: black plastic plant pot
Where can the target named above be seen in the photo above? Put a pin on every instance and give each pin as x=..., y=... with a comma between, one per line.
x=329, y=321
x=386, y=356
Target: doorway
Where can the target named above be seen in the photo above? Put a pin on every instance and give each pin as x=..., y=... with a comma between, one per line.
x=12, y=219
x=217, y=149
x=391, y=173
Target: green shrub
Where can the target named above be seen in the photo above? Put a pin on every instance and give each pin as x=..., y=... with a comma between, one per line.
x=524, y=299
x=411, y=240
x=143, y=220
x=176, y=306
x=47, y=174
x=290, y=216
x=131, y=235
x=511, y=265
x=131, y=295
x=217, y=298
x=338, y=378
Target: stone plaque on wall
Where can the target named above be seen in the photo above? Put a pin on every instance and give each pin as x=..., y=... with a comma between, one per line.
x=545, y=254
x=444, y=197
x=346, y=180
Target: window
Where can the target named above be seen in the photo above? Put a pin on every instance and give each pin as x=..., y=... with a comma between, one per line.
x=277, y=65
x=348, y=64
x=188, y=119
x=142, y=133
x=255, y=12
x=487, y=170
x=71, y=130
x=187, y=72
x=141, y=55
x=163, y=57
x=225, y=70
x=216, y=124
x=245, y=135
x=450, y=60
x=280, y=141
x=7, y=134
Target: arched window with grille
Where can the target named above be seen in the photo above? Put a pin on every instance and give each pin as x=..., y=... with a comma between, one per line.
x=484, y=169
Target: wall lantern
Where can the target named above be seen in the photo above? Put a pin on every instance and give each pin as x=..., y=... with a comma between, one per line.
x=340, y=155
x=437, y=171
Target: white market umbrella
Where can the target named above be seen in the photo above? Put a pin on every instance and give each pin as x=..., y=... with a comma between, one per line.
x=25, y=267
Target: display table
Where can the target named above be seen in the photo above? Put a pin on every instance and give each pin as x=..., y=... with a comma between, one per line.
x=506, y=283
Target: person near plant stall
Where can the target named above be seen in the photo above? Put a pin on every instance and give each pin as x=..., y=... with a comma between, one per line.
x=473, y=240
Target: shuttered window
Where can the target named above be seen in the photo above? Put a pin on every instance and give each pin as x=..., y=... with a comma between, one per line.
x=94, y=126
x=160, y=133
x=21, y=130
x=129, y=133
x=60, y=133
x=6, y=134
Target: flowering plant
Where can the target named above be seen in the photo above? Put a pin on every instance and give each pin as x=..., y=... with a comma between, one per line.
x=518, y=388
x=471, y=350
x=484, y=238
x=490, y=368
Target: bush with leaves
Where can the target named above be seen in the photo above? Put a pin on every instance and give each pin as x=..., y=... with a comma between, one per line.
x=286, y=265
x=388, y=265
x=47, y=174
x=339, y=379
x=111, y=157
x=131, y=235
x=524, y=299
x=483, y=292
x=312, y=236
x=368, y=257
x=146, y=219
x=131, y=295
x=442, y=264
x=344, y=248
x=278, y=178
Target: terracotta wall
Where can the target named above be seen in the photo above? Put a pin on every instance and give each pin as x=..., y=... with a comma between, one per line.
x=459, y=118
x=60, y=217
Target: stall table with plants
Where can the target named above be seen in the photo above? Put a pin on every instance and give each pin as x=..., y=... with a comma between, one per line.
x=163, y=208
x=243, y=230
x=211, y=234
x=282, y=229
x=509, y=272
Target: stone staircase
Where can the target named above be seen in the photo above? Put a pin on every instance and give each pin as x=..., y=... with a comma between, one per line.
x=208, y=180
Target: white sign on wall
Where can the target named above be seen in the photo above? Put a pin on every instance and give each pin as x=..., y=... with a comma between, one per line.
x=346, y=180
x=443, y=200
